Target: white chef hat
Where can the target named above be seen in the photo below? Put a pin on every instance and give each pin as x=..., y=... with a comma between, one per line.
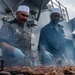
x=23, y=8
x=56, y=10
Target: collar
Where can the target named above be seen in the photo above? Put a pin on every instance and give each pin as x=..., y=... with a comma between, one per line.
x=19, y=24
x=51, y=24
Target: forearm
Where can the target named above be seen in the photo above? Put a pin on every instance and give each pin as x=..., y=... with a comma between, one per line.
x=6, y=46
x=31, y=52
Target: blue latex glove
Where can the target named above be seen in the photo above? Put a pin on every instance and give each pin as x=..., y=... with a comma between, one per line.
x=48, y=55
x=18, y=53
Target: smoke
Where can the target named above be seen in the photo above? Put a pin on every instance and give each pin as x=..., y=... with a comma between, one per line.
x=67, y=58
x=45, y=56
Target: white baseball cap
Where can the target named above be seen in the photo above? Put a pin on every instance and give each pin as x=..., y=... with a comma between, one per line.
x=56, y=10
x=23, y=8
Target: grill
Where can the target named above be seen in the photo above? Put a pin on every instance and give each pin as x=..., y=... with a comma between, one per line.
x=41, y=70
x=38, y=70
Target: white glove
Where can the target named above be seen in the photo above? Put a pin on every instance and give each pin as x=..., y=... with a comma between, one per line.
x=18, y=53
x=49, y=55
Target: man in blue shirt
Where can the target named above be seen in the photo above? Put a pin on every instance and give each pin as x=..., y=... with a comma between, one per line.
x=52, y=43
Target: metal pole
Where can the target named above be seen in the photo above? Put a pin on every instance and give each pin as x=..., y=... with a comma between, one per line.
x=67, y=14
x=8, y=8
x=52, y=3
x=42, y=1
x=21, y=1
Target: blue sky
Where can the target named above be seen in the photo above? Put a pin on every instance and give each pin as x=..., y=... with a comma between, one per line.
x=70, y=5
